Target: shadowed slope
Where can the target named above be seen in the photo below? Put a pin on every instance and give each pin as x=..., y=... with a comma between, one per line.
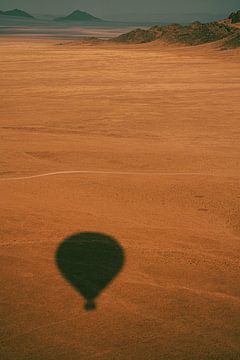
x=232, y=41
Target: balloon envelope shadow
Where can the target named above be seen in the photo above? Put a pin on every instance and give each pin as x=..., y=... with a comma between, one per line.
x=90, y=261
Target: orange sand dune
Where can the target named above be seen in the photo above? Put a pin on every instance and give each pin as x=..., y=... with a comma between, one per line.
x=118, y=113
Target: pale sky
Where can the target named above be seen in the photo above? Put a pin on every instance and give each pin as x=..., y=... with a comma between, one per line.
x=106, y=7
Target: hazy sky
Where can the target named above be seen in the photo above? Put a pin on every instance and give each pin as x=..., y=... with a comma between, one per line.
x=106, y=7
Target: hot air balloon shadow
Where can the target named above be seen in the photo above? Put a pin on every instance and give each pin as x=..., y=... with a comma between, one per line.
x=90, y=261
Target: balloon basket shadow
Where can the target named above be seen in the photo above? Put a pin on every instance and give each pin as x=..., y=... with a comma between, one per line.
x=90, y=305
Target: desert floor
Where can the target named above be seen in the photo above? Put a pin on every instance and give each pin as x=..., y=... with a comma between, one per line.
x=162, y=126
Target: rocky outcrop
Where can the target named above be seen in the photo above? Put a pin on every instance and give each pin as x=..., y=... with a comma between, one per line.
x=193, y=34
x=235, y=17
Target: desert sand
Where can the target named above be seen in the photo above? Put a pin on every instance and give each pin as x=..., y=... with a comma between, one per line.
x=149, y=139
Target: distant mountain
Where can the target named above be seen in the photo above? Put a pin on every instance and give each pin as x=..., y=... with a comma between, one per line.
x=17, y=13
x=235, y=17
x=78, y=15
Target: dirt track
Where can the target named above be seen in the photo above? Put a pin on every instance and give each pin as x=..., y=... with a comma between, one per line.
x=121, y=109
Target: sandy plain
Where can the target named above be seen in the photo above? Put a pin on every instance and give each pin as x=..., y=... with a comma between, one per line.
x=163, y=122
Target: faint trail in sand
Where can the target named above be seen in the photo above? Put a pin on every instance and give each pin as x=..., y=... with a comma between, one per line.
x=102, y=172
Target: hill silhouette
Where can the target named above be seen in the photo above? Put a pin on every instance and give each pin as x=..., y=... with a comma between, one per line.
x=78, y=15
x=17, y=13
